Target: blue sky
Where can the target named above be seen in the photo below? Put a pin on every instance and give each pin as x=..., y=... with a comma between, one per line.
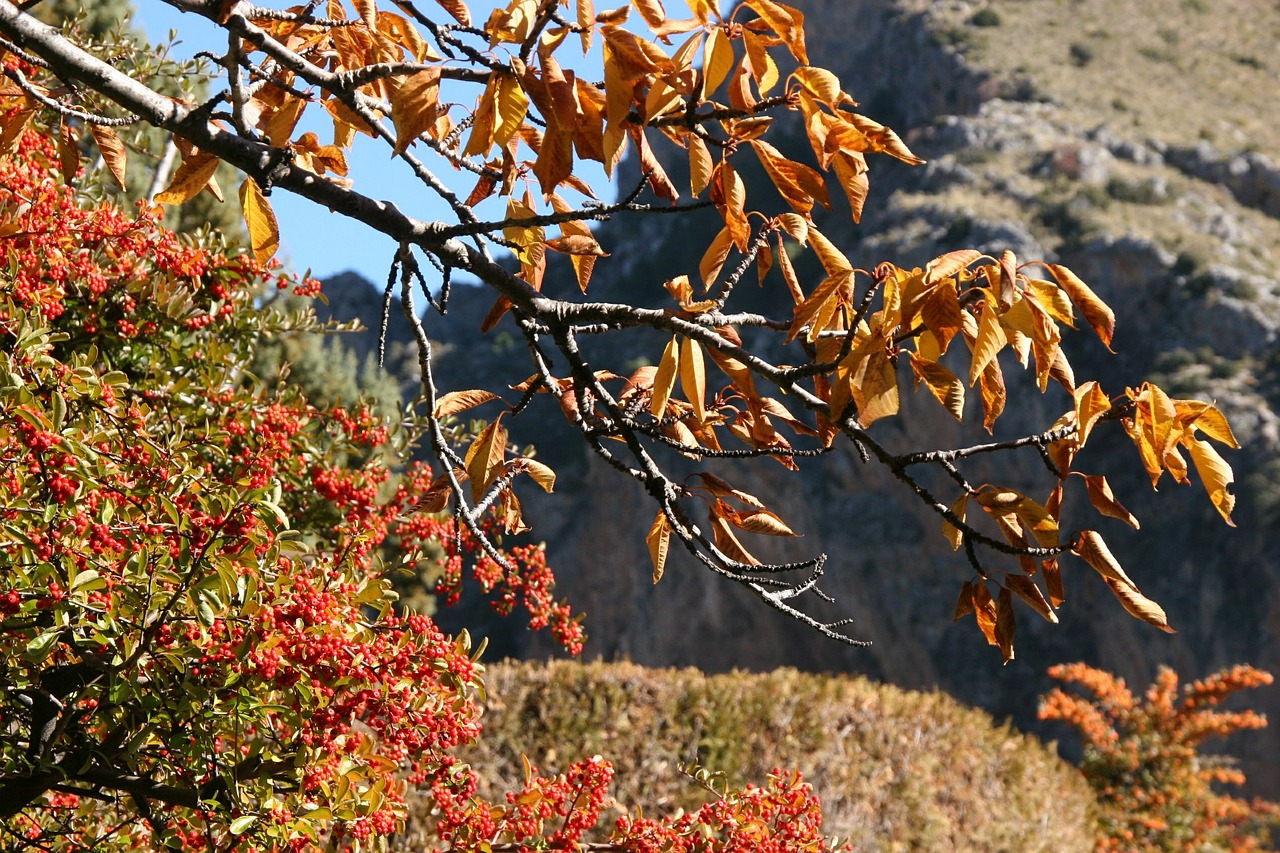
x=312, y=237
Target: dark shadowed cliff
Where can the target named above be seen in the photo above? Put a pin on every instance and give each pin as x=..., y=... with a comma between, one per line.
x=1132, y=141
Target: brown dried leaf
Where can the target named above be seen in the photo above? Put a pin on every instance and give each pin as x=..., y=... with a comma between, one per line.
x=460, y=401
x=484, y=458
x=1139, y=605
x=1104, y=500
x=1090, y=547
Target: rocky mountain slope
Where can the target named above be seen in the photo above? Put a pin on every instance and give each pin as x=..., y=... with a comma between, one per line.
x=1132, y=141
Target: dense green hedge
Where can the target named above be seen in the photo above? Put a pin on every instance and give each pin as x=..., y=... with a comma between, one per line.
x=897, y=770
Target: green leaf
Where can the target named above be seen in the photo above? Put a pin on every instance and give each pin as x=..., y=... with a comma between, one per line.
x=240, y=824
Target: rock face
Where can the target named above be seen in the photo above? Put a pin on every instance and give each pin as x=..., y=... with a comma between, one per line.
x=1179, y=238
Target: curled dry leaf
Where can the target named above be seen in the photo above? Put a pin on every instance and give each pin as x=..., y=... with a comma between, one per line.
x=1139, y=605
x=1090, y=547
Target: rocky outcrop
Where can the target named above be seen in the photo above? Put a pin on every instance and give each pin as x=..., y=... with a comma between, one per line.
x=1180, y=240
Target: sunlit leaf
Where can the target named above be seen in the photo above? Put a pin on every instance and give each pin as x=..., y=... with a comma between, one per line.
x=1216, y=475
x=1139, y=605
x=1090, y=547
x=665, y=379
x=460, y=401
x=693, y=377
x=264, y=230
x=1096, y=312
x=1104, y=501
x=659, y=541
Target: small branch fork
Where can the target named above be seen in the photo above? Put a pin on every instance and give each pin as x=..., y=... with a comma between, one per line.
x=550, y=326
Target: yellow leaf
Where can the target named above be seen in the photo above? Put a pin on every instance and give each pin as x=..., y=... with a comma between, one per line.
x=1139, y=605
x=787, y=22
x=821, y=83
x=1091, y=404
x=659, y=542
x=731, y=201
x=651, y=11
x=945, y=266
x=586, y=13
x=1195, y=414
x=665, y=379
x=851, y=172
x=763, y=521
x=1090, y=547
x=875, y=387
x=942, y=384
x=713, y=259
x=192, y=176
x=700, y=165
x=717, y=61
x=511, y=104
x=541, y=473
x=1216, y=475
x=991, y=339
x=1096, y=312
x=833, y=260
x=280, y=124
x=264, y=231
x=693, y=377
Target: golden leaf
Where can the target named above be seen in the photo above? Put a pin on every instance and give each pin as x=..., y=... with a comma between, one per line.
x=541, y=473
x=942, y=384
x=665, y=379
x=1216, y=475
x=1096, y=312
x=458, y=10
x=700, y=165
x=945, y=266
x=731, y=199
x=725, y=539
x=651, y=11
x=713, y=259
x=264, y=230
x=787, y=22
x=1091, y=404
x=693, y=377
x=875, y=387
x=112, y=150
x=1195, y=414
x=659, y=541
x=991, y=339
x=991, y=385
x=413, y=106
x=833, y=260
x=851, y=172
x=511, y=104
x=789, y=273
x=717, y=61
x=823, y=85
x=762, y=521
x=799, y=185
x=192, y=176
x=586, y=13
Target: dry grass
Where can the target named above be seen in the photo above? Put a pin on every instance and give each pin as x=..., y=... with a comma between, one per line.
x=1176, y=70
x=896, y=770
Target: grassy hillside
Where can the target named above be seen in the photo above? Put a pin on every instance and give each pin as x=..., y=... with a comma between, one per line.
x=896, y=769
